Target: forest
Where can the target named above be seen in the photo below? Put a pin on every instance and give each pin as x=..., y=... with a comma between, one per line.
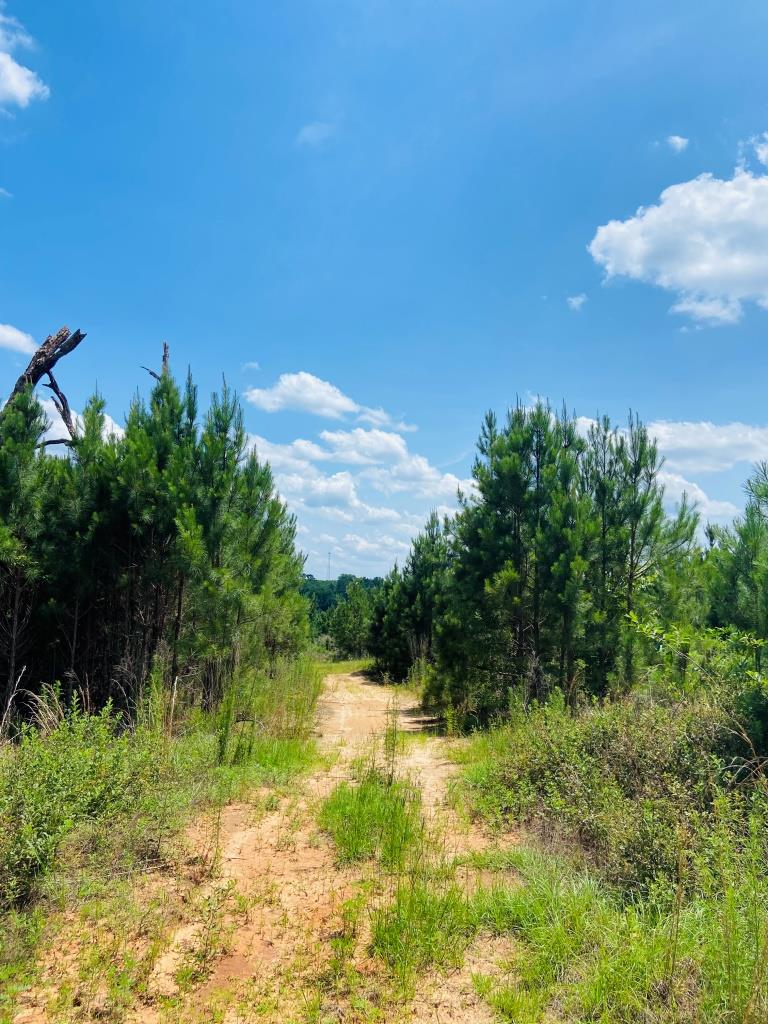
x=588, y=659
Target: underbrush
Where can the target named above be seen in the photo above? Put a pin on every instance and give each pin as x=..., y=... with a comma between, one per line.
x=656, y=907
x=630, y=783
x=87, y=802
x=591, y=956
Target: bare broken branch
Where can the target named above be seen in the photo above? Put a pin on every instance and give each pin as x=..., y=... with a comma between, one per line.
x=62, y=405
x=45, y=358
x=55, y=440
x=165, y=364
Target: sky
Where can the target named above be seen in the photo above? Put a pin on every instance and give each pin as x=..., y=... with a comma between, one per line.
x=379, y=219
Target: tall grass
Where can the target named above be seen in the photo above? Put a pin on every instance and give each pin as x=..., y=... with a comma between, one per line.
x=112, y=797
x=668, y=920
x=267, y=719
x=378, y=817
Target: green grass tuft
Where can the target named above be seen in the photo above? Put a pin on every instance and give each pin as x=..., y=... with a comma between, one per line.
x=379, y=817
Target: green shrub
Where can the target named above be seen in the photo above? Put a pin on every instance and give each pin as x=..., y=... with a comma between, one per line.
x=82, y=771
x=629, y=781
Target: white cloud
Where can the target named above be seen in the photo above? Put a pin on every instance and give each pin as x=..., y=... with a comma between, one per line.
x=336, y=490
x=5, y=194
x=13, y=35
x=675, y=486
x=575, y=302
x=295, y=457
x=708, y=311
x=325, y=498
x=315, y=134
x=677, y=143
x=705, y=239
x=704, y=447
x=304, y=392
x=365, y=446
x=252, y=365
x=416, y=476
x=19, y=86
x=760, y=145
x=382, y=546
x=15, y=340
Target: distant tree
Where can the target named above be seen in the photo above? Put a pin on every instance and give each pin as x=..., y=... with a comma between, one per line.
x=349, y=621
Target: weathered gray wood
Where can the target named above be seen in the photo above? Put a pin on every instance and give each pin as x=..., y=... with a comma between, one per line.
x=48, y=354
x=62, y=405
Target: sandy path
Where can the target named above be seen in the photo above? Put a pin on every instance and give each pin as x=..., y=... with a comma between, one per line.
x=259, y=933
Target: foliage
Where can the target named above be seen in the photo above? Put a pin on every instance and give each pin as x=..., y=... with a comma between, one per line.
x=529, y=586
x=82, y=770
x=164, y=544
x=405, y=608
x=597, y=958
x=629, y=781
x=348, y=622
x=324, y=595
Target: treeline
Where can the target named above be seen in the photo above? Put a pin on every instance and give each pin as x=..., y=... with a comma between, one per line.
x=326, y=594
x=535, y=582
x=162, y=549
x=340, y=612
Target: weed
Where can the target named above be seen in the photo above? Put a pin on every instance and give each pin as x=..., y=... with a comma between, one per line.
x=423, y=926
x=379, y=817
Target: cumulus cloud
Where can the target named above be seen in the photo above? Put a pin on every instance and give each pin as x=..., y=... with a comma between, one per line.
x=388, y=465
x=677, y=143
x=365, y=446
x=575, y=302
x=675, y=486
x=19, y=85
x=704, y=447
x=15, y=340
x=416, y=476
x=760, y=146
x=332, y=482
x=378, y=547
x=705, y=239
x=315, y=134
x=304, y=392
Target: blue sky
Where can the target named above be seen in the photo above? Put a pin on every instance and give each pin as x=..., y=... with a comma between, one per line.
x=371, y=215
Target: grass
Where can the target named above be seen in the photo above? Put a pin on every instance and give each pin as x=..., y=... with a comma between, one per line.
x=425, y=925
x=378, y=817
x=659, y=909
x=87, y=805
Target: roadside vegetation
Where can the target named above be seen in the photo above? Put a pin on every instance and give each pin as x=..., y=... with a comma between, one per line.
x=594, y=660
x=607, y=667
x=91, y=809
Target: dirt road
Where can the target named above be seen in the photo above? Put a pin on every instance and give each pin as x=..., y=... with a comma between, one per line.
x=260, y=935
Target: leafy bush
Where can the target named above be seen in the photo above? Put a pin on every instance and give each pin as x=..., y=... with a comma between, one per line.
x=82, y=771
x=632, y=782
